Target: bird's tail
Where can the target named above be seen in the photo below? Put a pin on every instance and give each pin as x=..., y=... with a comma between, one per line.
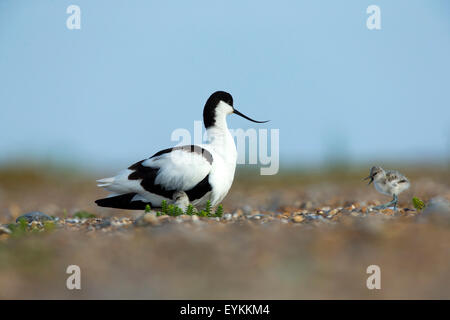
x=122, y=201
x=105, y=182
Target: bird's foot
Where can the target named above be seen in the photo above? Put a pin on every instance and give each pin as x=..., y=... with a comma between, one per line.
x=181, y=200
x=380, y=207
x=386, y=205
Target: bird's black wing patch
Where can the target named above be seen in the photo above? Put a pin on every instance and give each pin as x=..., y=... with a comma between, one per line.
x=148, y=176
x=199, y=190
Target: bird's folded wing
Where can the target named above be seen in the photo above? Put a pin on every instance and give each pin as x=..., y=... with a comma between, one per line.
x=180, y=168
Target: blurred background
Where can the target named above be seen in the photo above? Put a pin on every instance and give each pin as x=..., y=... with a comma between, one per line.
x=112, y=92
x=78, y=105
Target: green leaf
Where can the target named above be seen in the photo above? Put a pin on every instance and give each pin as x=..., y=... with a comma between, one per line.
x=147, y=208
x=418, y=204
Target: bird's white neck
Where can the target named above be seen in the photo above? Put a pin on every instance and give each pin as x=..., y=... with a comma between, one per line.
x=221, y=140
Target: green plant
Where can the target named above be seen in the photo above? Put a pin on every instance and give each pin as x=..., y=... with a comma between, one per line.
x=208, y=208
x=219, y=211
x=49, y=226
x=83, y=215
x=190, y=210
x=173, y=210
x=18, y=229
x=164, y=207
x=418, y=204
x=147, y=208
x=202, y=213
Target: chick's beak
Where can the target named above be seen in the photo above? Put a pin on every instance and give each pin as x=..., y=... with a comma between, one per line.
x=369, y=177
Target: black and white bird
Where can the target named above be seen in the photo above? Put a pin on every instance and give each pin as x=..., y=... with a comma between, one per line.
x=182, y=175
x=388, y=182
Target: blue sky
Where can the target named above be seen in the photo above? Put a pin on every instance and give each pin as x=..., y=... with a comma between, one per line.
x=112, y=92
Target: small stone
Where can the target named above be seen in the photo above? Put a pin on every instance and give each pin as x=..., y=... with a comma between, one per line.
x=227, y=216
x=388, y=211
x=238, y=213
x=104, y=224
x=35, y=224
x=195, y=218
x=4, y=230
x=149, y=218
x=34, y=216
x=178, y=219
x=298, y=219
x=73, y=221
x=164, y=218
x=247, y=209
x=333, y=212
x=364, y=209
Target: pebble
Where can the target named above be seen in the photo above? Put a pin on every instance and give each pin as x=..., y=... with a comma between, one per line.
x=256, y=216
x=4, y=230
x=75, y=220
x=104, y=224
x=387, y=211
x=298, y=219
x=333, y=212
x=247, y=209
x=227, y=216
x=34, y=216
x=238, y=213
x=163, y=218
x=146, y=219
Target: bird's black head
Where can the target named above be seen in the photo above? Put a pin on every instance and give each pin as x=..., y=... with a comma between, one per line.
x=374, y=171
x=220, y=103
x=209, y=112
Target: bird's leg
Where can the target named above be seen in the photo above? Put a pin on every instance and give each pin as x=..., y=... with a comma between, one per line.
x=394, y=202
x=181, y=200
